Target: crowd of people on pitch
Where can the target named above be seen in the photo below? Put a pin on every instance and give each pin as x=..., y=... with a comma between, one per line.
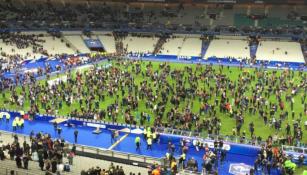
x=53, y=156
x=226, y=97
x=21, y=77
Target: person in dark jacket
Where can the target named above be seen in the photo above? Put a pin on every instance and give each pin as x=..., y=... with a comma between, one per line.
x=53, y=165
x=25, y=160
x=41, y=162
x=2, y=156
x=18, y=162
x=76, y=132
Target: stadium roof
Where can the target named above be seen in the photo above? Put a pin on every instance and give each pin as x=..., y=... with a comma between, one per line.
x=207, y=1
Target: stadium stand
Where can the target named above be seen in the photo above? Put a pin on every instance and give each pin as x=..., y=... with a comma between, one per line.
x=108, y=42
x=189, y=87
x=135, y=44
x=241, y=20
x=282, y=51
x=173, y=45
x=77, y=40
x=238, y=49
x=191, y=46
x=25, y=45
x=54, y=45
x=77, y=167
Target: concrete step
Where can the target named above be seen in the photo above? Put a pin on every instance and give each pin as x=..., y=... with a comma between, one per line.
x=32, y=170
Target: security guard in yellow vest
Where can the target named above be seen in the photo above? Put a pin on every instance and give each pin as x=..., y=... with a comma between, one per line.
x=148, y=134
x=18, y=123
x=149, y=143
x=167, y=156
x=14, y=124
x=182, y=159
x=145, y=133
x=173, y=165
x=137, y=143
x=7, y=118
x=154, y=137
x=1, y=118
x=21, y=123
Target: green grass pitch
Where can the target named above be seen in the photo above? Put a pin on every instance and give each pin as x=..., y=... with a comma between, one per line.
x=234, y=73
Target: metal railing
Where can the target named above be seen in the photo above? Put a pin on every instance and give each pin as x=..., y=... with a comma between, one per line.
x=118, y=154
x=103, y=152
x=188, y=172
x=202, y=135
x=299, y=150
x=183, y=133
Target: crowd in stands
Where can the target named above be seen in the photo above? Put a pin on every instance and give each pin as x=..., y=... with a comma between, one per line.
x=121, y=15
x=111, y=170
x=50, y=154
x=21, y=41
x=226, y=96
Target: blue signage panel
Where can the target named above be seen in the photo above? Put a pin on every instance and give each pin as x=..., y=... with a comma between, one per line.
x=93, y=43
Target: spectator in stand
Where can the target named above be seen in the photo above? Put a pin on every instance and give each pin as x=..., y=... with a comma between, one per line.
x=49, y=153
x=112, y=170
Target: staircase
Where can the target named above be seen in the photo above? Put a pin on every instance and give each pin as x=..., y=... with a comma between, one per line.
x=253, y=50
x=7, y=165
x=179, y=51
x=304, y=50
x=204, y=47
x=160, y=43
x=72, y=46
x=119, y=44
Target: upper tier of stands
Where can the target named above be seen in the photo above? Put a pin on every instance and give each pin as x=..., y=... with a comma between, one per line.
x=110, y=15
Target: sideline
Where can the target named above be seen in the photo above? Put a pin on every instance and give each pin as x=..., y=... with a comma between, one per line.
x=117, y=142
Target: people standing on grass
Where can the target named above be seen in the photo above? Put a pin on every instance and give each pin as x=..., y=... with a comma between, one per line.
x=183, y=98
